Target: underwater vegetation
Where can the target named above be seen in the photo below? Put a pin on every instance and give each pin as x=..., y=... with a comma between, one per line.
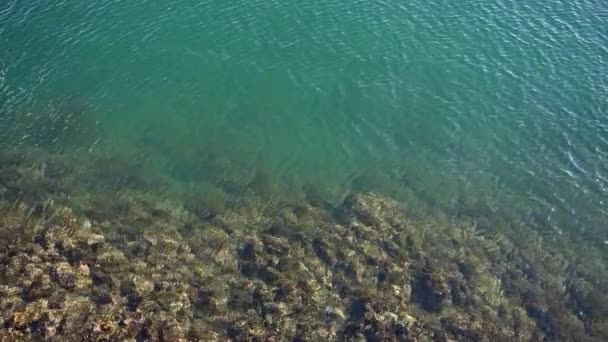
x=138, y=265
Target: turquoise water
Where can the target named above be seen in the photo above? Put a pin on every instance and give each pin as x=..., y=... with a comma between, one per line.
x=481, y=108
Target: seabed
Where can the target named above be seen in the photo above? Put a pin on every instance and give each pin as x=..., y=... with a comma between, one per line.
x=80, y=259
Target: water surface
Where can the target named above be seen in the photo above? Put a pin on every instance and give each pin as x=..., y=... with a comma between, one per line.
x=480, y=108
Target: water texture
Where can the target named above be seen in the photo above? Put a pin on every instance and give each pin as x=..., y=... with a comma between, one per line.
x=475, y=108
x=286, y=170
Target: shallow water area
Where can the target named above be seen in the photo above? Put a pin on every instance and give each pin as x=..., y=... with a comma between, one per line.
x=272, y=116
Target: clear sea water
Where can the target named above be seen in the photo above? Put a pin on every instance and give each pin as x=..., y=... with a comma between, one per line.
x=486, y=108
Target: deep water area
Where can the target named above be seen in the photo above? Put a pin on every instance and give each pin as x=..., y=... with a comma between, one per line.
x=292, y=171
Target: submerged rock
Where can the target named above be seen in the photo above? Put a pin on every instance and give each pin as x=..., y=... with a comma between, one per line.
x=65, y=275
x=145, y=268
x=429, y=290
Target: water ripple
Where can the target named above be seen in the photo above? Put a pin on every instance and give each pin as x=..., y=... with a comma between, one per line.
x=495, y=95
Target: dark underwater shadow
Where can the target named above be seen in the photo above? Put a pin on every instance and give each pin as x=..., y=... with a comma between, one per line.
x=65, y=123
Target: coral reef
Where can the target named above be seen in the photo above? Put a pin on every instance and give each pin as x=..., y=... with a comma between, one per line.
x=76, y=263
